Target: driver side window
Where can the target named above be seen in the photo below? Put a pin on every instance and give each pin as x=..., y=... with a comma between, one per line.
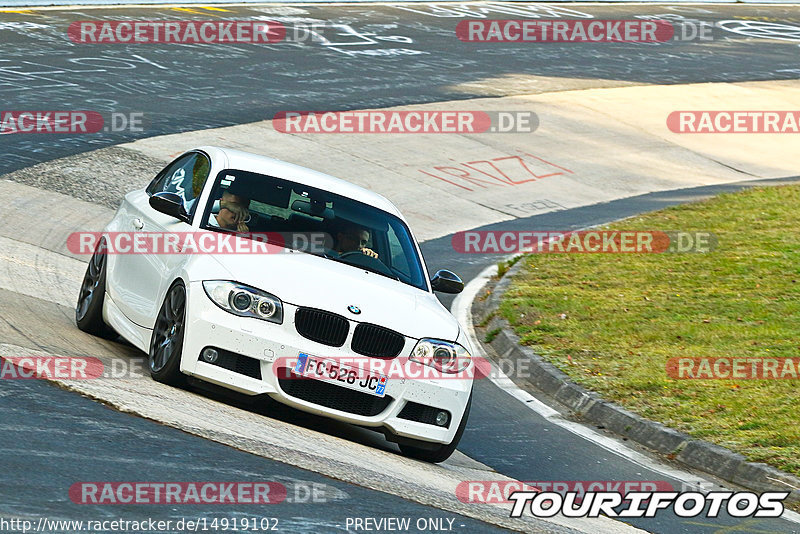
x=185, y=176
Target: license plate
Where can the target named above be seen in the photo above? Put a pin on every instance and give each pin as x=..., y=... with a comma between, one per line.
x=340, y=374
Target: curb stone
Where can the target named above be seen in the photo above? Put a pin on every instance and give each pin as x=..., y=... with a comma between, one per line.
x=590, y=406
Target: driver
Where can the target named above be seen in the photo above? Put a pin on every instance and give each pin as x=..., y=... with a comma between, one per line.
x=353, y=238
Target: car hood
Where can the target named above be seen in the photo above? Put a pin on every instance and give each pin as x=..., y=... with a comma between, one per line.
x=306, y=280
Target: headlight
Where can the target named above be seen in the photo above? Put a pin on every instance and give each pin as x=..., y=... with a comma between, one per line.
x=244, y=301
x=441, y=355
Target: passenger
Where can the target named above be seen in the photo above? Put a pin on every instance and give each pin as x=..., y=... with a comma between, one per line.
x=227, y=196
x=233, y=213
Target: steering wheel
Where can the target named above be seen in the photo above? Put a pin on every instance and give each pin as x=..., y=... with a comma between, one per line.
x=353, y=252
x=368, y=262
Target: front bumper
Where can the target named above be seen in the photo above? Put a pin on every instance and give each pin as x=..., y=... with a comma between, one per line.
x=273, y=346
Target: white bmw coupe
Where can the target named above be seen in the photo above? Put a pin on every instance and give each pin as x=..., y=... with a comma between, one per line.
x=348, y=328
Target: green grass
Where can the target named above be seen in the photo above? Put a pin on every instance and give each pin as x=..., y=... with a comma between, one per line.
x=490, y=335
x=504, y=266
x=611, y=321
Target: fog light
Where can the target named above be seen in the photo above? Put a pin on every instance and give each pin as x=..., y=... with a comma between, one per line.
x=442, y=418
x=210, y=356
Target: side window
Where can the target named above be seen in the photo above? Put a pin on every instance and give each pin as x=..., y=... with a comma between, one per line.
x=185, y=176
x=399, y=259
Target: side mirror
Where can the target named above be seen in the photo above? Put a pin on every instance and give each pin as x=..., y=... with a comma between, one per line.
x=170, y=204
x=447, y=282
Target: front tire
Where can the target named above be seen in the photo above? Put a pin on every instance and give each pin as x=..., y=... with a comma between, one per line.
x=89, y=309
x=444, y=451
x=166, y=344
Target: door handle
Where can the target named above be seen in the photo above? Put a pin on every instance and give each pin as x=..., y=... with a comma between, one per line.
x=137, y=223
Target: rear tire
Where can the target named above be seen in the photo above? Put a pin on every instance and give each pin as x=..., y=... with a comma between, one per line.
x=89, y=309
x=166, y=343
x=444, y=451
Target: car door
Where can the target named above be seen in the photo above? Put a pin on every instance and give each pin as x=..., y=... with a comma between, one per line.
x=140, y=280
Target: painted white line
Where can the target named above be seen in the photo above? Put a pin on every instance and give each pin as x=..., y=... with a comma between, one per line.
x=461, y=309
x=506, y=384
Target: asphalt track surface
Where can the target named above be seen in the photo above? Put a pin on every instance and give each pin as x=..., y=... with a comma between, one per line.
x=51, y=438
x=380, y=56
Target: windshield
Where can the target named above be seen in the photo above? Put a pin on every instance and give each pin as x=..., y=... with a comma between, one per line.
x=315, y=221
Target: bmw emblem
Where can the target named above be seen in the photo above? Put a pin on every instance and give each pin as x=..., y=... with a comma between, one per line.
x=354, y=309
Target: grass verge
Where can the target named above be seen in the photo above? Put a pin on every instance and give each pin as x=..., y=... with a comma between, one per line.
x=611, y=321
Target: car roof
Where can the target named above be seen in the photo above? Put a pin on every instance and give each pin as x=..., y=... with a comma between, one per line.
x=246, y=161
